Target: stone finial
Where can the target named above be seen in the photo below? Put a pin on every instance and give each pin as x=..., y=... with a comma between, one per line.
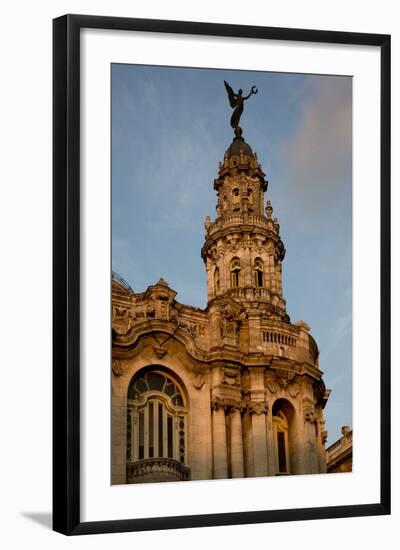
x=345, y=430
x=162, y=282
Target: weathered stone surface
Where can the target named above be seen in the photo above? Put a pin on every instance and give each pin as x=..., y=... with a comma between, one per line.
x=250, y=383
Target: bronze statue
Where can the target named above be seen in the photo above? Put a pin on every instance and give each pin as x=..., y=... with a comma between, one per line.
x=236, y=102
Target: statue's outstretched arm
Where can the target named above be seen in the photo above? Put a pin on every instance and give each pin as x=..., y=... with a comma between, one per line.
x=253, y=90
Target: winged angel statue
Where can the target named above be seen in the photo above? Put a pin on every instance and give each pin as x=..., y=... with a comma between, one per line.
x=236, y=101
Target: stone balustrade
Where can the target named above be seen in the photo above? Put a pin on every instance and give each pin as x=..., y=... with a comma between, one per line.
x=275, y=337
x=251, y=293
x=238, y=219
x=340, y=447
x=156, y=469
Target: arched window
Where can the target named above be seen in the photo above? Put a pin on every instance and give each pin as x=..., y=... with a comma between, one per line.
x=235, y=197
x=250, y=196
x=259, y=272
x=282, y=416
x=216, y=280
x=156, y=417
x=235, y=272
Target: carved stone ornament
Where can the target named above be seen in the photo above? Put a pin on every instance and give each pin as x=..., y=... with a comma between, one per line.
x=228, y=328
x=150, y=310
x=122, y=320
x=270, y=249
x=294, y=389
x=271, y=384
x=174, y=316
x=257, y=407
x=198, y=381
x=159, y=351
x=116, y=367
x=227, y=404
x=229, y=321
x=230, y=375
x=193, y=329
x=309, y=411
x=309, y=414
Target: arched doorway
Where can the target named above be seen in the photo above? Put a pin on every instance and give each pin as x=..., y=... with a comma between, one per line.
x=284, y=437
x=156, y=427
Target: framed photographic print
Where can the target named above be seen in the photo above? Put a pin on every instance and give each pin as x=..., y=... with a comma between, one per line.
x=221, y=274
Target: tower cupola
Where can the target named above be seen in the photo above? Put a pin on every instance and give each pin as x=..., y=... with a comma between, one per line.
x=243, y=251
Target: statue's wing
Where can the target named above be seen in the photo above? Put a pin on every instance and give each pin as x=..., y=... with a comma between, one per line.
x=231, y=95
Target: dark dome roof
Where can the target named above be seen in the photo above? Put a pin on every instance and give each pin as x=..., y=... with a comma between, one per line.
x=238, y=146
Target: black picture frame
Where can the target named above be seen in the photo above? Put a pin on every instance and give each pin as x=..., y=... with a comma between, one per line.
x=66, y=273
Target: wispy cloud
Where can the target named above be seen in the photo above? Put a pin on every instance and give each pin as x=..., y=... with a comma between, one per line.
x=318, y=154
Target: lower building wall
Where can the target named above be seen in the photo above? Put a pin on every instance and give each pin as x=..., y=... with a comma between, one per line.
x=225, y=438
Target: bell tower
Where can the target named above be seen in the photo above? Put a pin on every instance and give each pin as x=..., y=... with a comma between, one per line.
x=243, y=251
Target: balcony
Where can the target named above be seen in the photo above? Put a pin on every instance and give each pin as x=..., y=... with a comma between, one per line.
x=152, y=470
x=238, y=219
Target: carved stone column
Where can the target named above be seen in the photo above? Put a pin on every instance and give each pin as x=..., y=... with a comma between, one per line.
x=268, y=269
x=279, y=277
x=272, y=273
x=220, y=455
x=248, y=282
x=310, y=439
x=322, y=436
x=248, y=444
x=237, y=464
x=258, y=411
x=322, y=454
x=270, y=444
x=222, y=270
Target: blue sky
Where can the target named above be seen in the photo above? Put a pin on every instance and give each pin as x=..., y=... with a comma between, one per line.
x=170, y=128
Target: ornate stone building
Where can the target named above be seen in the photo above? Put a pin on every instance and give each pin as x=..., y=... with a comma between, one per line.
x=233, y=390
x=339, y=456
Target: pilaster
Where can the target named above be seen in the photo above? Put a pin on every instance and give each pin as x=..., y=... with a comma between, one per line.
x=220, y=451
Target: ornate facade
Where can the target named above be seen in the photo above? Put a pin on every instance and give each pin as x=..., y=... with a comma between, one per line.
x=233, y=390
x=339, y=456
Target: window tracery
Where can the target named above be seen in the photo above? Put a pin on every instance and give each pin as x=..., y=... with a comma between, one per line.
x=157, y=417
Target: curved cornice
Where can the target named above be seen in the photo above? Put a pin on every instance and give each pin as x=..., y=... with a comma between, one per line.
x=130, y=346
x=135, y=342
